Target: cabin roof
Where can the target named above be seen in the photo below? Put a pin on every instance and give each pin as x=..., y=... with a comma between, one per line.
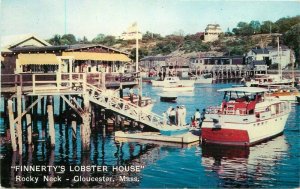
x=244, y=89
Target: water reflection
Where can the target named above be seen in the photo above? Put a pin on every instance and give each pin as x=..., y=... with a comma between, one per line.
x=244, y=166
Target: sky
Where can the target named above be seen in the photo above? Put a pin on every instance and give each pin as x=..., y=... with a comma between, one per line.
x=88, y=18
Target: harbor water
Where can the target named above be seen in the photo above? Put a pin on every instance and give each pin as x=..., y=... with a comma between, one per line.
x=271, y=164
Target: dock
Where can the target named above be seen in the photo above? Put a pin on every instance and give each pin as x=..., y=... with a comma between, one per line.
x=186, y=139
x=83, y=97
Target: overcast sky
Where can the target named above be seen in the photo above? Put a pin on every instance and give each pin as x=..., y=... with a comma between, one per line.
x=91, y=17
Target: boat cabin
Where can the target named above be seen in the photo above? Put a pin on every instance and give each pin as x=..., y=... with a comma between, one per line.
x=241, y=100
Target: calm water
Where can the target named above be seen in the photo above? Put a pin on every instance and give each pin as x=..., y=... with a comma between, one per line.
x=271, y=164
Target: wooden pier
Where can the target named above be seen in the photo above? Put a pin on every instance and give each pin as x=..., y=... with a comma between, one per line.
x=80, y=92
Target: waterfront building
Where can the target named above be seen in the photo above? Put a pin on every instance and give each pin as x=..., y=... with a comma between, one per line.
x=42, y=57
x=212, y=32
x=209, y=63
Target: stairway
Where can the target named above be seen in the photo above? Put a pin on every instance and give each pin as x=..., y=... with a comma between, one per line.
x=128, y=109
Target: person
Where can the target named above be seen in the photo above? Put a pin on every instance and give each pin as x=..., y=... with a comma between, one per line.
x=164, y=75
x=202, y=117
x=172, y=116
x=197, y=115
x=183, y=115
x=168, y=113
x=159, y=74
x=164, y=118
x=177, y=116
x=131, y=95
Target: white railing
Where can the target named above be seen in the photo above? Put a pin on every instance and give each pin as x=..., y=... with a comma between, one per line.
x=126, y=108
x=56, y=82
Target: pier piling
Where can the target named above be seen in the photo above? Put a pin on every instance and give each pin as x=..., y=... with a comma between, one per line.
x=19, y=121
x=12, y=125
x=29, y=129
x=73, y=125
x=51, y=121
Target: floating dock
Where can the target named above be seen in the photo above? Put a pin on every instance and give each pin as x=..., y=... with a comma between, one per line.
x=187, y=138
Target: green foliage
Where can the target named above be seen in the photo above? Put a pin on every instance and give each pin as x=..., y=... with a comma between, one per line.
x=142, y=53
x=292, y=39
x=108, y=40
x=67, y=39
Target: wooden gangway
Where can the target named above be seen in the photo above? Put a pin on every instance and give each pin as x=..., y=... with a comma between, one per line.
x=76, y=84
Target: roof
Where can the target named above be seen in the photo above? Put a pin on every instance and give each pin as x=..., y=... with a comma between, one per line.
x=38, y=59
x=260, y=51
x=98, y=56
x=11, y=41
x=258, y=62
x=88, y=46
x=244, y=89
x=155, y=58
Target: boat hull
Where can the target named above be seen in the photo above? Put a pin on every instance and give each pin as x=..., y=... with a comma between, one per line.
x=178, y=89
x=243, y=134
x=178, y=131
x=204, y=81
x=168, y=99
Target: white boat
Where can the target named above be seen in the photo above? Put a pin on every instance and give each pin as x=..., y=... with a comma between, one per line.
x=263, y=80
x=174, y=87
x=168, y=97
x=284, y=93
x=172, y=80
x=245, y=117
x=204, y=78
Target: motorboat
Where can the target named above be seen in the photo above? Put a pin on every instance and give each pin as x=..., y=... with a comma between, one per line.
x=172, y=80
x=263, y=80
x=285, y=93
x=174, y=87
x=204, y=78
x=168, y=97
x=245, y=117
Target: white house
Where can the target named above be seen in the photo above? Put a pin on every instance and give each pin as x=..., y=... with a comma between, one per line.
x=212, y=32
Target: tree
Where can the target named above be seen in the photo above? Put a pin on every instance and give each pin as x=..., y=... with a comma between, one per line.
x=68, y=39
x=292, y=39
x=268, y=27
x=142, y=53
x=56, y=40
x=255, y=25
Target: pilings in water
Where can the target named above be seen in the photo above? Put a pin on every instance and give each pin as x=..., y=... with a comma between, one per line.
x=51, y=121
x=19, y=119
x=85, y=126
x=12, y=125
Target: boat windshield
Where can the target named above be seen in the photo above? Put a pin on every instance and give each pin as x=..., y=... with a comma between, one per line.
x=242, y=97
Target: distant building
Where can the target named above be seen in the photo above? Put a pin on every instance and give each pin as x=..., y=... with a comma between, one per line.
x=270, y=55
x=212, y=32
x=210, y=62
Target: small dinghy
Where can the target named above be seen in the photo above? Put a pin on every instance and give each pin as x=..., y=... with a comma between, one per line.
x=168, y=97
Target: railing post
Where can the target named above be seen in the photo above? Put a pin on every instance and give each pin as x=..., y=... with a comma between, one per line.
x=84, y=82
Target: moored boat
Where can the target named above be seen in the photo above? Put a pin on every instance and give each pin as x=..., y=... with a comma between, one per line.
x=172, y=80
x=203, y=79
x=178, y=88
x=285, y=93
x=168, y=97
x=264, y=80
x=245, y=117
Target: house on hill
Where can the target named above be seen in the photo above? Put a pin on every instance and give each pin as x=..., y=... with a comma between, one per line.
x=212, y=32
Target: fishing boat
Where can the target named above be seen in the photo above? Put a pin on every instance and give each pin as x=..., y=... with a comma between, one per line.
x=203, y=79
x=172, y=80
x=245, y=117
